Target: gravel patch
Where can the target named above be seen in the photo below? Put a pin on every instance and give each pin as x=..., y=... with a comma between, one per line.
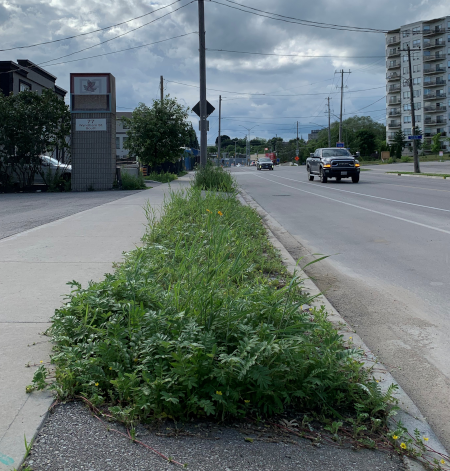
x=73, y=440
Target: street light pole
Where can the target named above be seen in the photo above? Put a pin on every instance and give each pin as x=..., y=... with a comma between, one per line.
x=248, y=139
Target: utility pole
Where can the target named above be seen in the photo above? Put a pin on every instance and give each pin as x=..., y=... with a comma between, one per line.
x=297, y=150
x=202, y=61
x=219, y=141
x=413, y=115
x=329, y=124
x=161, y=86
x=342, y=100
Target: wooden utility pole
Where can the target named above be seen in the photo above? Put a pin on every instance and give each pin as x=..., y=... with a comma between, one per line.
x=161, y=86
x=202, y=63
x=342, y=101
x=219, y=142
x=329, y=124
x=413, y=115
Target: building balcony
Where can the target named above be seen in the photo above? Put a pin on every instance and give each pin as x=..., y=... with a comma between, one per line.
x=435, y=121
x=394, y=66
x=435, y=83
x=434, y=96
x=393, y=40
x=394, y=53
x=432, y=31
x=394, y=88
x=429, y=44
x=434, y=70
x=434, y=57
x=394, y=124
x=434, y=109
x=395, y=112
x=392, y=77
x=433, y=133
x=394, y=101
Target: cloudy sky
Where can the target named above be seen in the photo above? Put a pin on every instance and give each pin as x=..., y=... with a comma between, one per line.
x=248, y=83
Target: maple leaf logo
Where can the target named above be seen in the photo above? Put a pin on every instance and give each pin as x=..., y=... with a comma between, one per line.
x=90, y=87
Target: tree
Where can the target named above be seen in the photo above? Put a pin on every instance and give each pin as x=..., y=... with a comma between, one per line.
x=366, y=142
x=399, y=143
x=156, y=133
x=436, y=143
x=223, y=139
x=193, y=140
x=31, y=125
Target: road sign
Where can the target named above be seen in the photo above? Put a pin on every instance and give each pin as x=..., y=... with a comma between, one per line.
x=340, y=144
x=413, y=138
x=297, y=158
x=209, y=108
x=441, y=153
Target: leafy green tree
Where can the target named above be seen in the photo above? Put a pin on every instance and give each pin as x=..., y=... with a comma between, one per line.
x=31, y=125
x=366, y=141
x=399, y=143
x=156, y=133
x=193, y=140
x=436, y=143
x=223, y=139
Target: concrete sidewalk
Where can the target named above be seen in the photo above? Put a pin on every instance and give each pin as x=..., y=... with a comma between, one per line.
x=35, y=267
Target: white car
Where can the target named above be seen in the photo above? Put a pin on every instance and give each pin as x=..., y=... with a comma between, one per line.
x=52, y=165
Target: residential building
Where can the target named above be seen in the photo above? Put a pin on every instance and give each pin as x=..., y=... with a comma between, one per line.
x=25, y=75
x=121, y=134
x=313, y=134
x=429, y=42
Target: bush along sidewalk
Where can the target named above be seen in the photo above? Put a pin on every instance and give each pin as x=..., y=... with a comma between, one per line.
x=204, y=320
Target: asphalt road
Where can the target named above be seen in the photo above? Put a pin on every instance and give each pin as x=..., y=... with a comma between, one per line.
x=23, y=211
x=388, y=241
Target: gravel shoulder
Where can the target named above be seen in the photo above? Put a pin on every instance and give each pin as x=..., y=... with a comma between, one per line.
x=72, y=439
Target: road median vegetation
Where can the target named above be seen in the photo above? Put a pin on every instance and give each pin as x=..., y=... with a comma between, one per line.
x=204, y=320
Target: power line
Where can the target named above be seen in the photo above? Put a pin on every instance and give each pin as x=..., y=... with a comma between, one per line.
x=90, y=32
x=294, y=55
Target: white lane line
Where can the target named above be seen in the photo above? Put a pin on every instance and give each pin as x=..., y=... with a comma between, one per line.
x=360, y=207
x=368, y=196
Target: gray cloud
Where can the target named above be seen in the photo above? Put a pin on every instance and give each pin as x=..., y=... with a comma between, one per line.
x=137, y=72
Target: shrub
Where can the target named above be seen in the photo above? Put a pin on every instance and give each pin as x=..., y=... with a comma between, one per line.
x=165, y=177
x=204, y=320
x=213, y=178
x=132, y=182
x=406, y=159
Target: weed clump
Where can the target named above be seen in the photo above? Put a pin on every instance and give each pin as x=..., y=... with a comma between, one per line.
x=132, y=182
x=213, y=178
x=204, y=320
x=165, y=177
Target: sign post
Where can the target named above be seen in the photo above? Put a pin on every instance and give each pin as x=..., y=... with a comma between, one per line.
x=340, y=144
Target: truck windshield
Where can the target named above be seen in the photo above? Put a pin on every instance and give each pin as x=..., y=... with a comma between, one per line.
x=336, y=153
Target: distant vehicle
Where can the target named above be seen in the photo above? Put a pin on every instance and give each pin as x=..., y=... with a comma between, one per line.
x=264, y=162
x=273, y=157
x=253, y=163
x=332, y=162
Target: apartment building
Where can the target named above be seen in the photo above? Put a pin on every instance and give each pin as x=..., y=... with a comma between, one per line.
x=429, y=42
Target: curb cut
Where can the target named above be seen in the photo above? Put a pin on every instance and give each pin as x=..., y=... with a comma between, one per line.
x=409, y=414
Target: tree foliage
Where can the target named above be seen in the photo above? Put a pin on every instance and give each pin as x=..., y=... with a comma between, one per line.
x=31, y=125
x=399, y=143
x=156, y=133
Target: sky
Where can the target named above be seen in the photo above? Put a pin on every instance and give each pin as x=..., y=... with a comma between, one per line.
x=262, y=94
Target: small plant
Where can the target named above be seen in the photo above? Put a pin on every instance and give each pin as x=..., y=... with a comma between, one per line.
x=406, y=159
x=164, y=177
x=28, y=446
x=214, y=179
x=132, y=182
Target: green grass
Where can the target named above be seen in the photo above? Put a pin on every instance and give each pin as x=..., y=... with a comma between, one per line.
x=443, y=175
x=165, y=177
x=204, y=320
x=406, y=158
x=213, y=178
x=365, y=169
x=131, y=182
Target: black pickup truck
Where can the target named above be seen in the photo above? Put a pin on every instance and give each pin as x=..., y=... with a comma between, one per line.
x=332, y=162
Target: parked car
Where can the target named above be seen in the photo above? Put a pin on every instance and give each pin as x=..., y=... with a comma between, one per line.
x=332, y=162
x=264, y=162
x=53, y=165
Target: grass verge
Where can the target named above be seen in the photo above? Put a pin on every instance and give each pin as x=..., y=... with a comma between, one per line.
x=443, y=175
x=213, y=178
x=132, y=182
x=165, y=177
x=205, y=320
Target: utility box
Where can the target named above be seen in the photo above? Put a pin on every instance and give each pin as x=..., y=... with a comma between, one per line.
x=385, y=155
x=93, y=143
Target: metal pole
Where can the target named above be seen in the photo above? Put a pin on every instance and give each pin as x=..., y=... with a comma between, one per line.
x=413, y=116
x=202, y=61
x=329, y=124
x=161, y=86
x=219, y=141
x=342, y=99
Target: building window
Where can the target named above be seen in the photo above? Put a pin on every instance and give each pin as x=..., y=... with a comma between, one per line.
x=23, y=86
x=125, y=139
x=406, y=119
x=416, y=30
x=417, y=81
x=416, y=68
x=406, y=33
x=417, y=106
x=407, y=107
x=405, y=58
x=407, y=131
x=418, y=118
x=124, y=126
x=117, y=142
x=416, y=43
x=416, y=93
x=406, y=95
x=405, y=70
x=405, y=45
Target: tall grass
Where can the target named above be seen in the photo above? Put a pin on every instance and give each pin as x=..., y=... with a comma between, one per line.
x=204, y=320
x=132, y=182
x=213, y=178
x=165, y=177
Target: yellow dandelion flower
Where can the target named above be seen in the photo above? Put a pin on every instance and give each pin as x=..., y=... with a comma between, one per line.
x=426, y=438
x=402, y=445
x=442, y=462
x=247, y=401
x=41, y=361
x=394, y=437
x=110, y=367
x=96, y=384
x=219, y=393
x=220, y=213
x=208, y=210
x=350, y=338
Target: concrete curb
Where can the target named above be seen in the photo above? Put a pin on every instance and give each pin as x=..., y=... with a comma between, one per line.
x=409, y=414
x=395, y=174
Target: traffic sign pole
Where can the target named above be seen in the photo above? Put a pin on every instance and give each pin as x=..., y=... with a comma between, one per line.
x=202, y=61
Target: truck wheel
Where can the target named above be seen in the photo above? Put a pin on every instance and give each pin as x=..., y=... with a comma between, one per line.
x=355, y=179
x=310, y=177
x=323, y=178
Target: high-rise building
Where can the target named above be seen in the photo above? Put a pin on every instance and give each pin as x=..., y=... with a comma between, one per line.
x=429, y=42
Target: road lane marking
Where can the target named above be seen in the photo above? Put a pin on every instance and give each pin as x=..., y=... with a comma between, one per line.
x=369, y=196
x=360, y=207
